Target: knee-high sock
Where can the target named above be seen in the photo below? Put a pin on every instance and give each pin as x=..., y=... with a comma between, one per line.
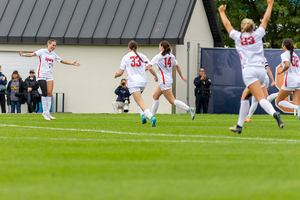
x=49, y=103
x=154, y=107
x=267, y=106
x=253, y=106
x=181, y=105
x=244, y=107
x=140, y=110
x=44, y=104
x=271, y=97
x=287, y=104
x=148, y=113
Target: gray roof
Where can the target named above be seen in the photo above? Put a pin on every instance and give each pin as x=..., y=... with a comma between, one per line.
x=110, y=22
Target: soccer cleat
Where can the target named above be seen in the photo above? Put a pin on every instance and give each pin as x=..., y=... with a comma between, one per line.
x=52, y=118
x=298, y=112
x=192, y=112
x=46, y=117
x=144, y=120
x=236, y=129
x=153, y=121
x=278, y=119
x=248, y=119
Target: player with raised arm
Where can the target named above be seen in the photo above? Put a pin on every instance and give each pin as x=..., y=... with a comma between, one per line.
x=249, y=46
x=135, y=64
x=291, y=81
x=165, y=61
x=47, y=56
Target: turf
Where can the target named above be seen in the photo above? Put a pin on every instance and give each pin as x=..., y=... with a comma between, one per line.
x=107, y=156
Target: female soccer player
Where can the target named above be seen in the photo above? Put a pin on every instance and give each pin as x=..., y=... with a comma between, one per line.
x=44, y=73
x=135, y=64
x=291, y=82
x=165, y=61
x=264, y=87
x=248, y=44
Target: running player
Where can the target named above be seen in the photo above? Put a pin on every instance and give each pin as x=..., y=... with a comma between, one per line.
x=44, y=73
x=165, y=61
x=291, y=82
x=135, y=64
x=248, y=44
x=264, y=87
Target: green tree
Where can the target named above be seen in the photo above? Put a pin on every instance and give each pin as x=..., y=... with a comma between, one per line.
x=284, y=21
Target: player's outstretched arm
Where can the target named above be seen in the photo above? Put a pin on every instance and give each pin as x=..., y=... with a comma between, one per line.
x=119, y=73
x=267, y=15
x=70, y=63
x=224, y=18
x=180, y=73
x=151, y=70
x=27, y=54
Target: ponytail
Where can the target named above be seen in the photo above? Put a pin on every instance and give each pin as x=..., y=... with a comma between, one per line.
x=289, y=44
x=247, y=25
x=133, y=46
x=167, y=48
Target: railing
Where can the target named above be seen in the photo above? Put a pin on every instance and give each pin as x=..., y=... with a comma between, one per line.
x=52, y=105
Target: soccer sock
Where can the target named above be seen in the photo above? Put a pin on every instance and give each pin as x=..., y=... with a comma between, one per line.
x=49, y=104
x=267, y=106
x=154, y=107
x=140, y=110
x=181, y=105
x=148, y=113
x=287, y=104
x=253, y=107
x=243, y=112
x=271, y=97
x=44, y=104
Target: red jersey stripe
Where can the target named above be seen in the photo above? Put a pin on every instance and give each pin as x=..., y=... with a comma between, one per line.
x=39, y=68
x=163, y=77
x=285, y=81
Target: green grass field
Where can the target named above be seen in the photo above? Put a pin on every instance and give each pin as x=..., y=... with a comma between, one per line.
x=107, y=156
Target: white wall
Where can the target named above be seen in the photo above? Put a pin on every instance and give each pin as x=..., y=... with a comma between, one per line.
x=198, y=32
x=90, y=87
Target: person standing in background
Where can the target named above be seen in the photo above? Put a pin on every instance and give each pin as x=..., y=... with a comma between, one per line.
x=3, y=82
x=202, y=91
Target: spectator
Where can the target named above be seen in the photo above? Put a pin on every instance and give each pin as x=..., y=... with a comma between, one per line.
x=31, y=86
x=14, y=92
x=202, y=91
x=123, y=94
x=3, y=82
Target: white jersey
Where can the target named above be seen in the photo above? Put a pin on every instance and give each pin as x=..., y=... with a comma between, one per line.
x=292, y=75
x=164, y=66
x=249, y=47
x=46, y=60
x=136, y=74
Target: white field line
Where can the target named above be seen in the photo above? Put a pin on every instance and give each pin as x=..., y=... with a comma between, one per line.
x=139, y=140
x=159, y=134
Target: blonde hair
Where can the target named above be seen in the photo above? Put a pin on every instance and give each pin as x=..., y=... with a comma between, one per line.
x=50, y=42
x=19, y=76
x=247, y=25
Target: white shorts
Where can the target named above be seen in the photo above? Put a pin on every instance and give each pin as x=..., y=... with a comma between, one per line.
x=44, y=78
x=266, y=83
x=135, y=89
x=289, y=88
x=165, y=86
x=253, y=74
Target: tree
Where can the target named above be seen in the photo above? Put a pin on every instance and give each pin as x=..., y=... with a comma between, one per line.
x=284, y=21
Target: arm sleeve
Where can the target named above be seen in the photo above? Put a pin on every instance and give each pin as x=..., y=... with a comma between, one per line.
x=117, y=91
x=39, y=52
x=197, y=81
x=234, y=34
x=208, y=81
x=57, y=58
x=154, y=60
x=123, y=63
x=260, y=31
x=284, y=58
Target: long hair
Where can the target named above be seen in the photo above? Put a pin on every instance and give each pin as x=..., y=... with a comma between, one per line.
x=19, y=76
x=247, y=25
x=289, y=44
x=133, y=46
x=167, y=48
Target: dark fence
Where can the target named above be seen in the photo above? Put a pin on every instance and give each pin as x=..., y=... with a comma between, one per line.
x=223, y=67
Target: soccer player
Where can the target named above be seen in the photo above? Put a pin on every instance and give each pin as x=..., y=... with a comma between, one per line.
x=291, y=82
x=264, y=87
x=135, y=64
x=165, y=61
x=248, y=44
x=44, y=73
